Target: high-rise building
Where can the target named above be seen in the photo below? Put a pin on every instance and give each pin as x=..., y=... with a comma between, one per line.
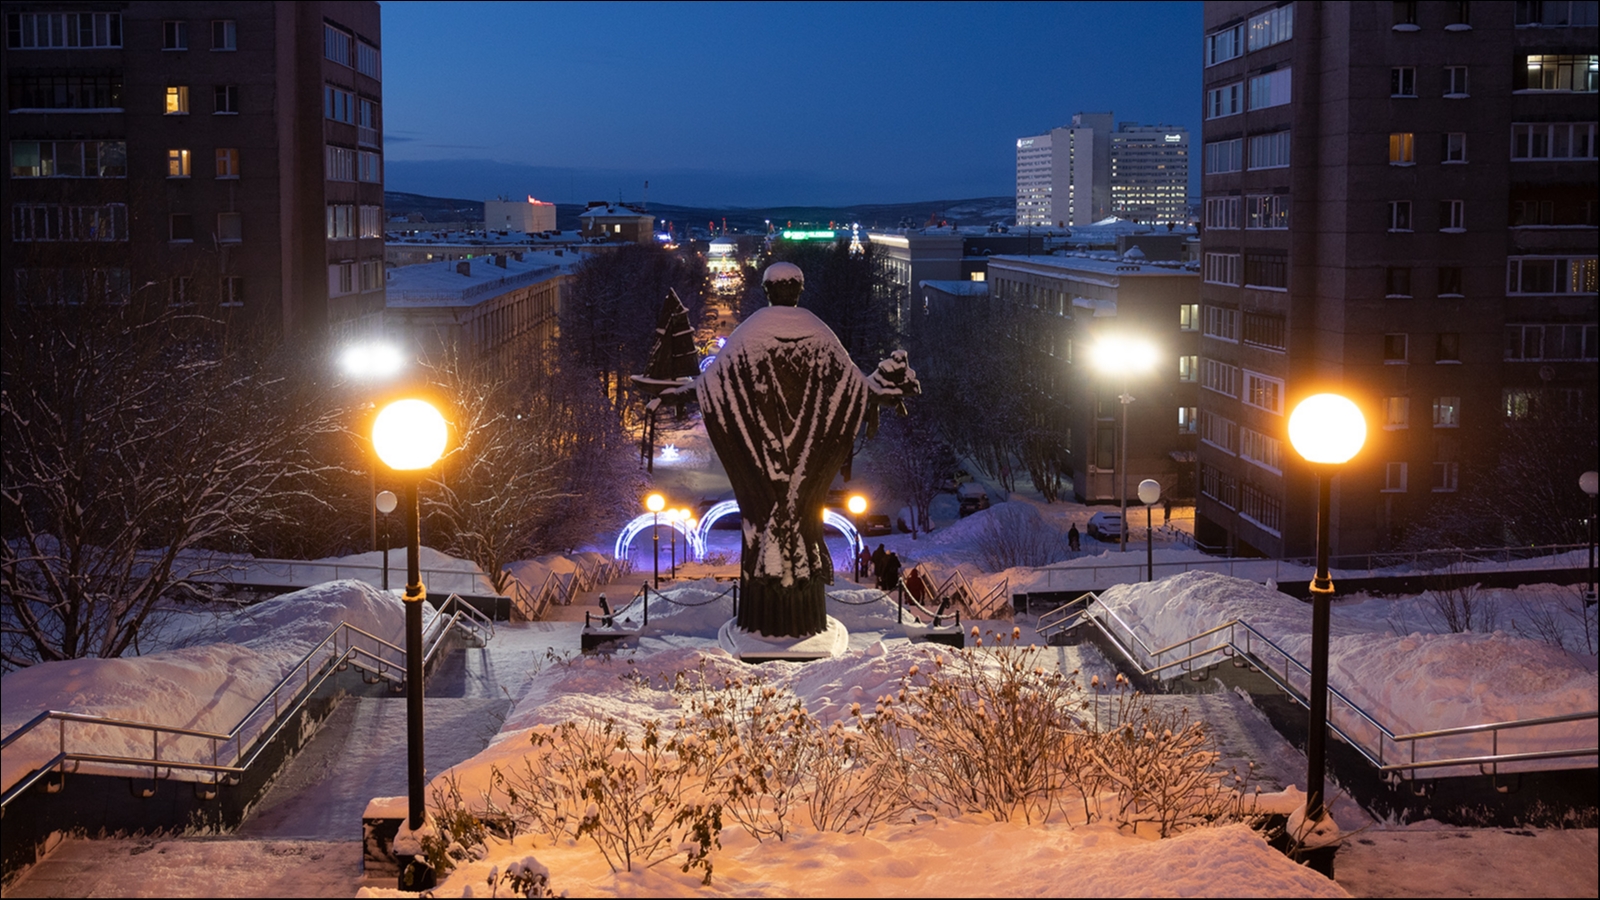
x=1071, y=176
x=1150, y=173
x=225, y=156
x=1399, y=204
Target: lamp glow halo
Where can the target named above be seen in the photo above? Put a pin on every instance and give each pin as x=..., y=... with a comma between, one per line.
x=409, y=435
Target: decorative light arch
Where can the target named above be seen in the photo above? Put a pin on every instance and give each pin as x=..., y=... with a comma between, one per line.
x=829, y=517
x=727, y=507
x=717, y=511
x=692, y=541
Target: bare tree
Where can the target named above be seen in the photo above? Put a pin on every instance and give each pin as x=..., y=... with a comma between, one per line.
x=906, y=457
x=130, y=440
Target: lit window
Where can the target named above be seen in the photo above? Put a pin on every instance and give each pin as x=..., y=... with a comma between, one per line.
x=1549, y=72
x=177, y=100
x=1188, y=317
x=177, y=164
x=1271, y=27
x=1188, y=368
x=1447, y=412
x=1402, y=148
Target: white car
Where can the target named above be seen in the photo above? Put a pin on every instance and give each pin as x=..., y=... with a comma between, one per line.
x=1105, y=526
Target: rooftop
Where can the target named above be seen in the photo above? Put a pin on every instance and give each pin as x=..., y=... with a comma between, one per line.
x=480, y=238
x=1101, y=264
x=443, y=284
x=957, y=288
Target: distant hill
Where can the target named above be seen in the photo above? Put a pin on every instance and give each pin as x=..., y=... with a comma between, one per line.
x=976, y=211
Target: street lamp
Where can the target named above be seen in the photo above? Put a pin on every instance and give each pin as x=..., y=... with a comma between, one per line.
x=1327, y=430
x=410, y=436
x=1149, y=493
x=1590, y=483
x=857, y=505
x=655, y=503
x=1127, y=357
x=372, y=361
x=385, y=503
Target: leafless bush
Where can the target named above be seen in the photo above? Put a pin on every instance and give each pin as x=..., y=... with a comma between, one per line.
x=1462, y=607
x=1011, y=537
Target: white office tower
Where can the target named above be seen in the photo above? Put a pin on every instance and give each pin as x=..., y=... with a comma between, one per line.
x=1064, y=175
x=1150, y=173
x=1033, y=180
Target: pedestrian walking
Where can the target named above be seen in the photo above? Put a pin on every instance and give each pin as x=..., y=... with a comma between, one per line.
x=1072, y=537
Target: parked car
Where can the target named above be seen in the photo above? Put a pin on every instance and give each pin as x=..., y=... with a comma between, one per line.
x=874, y=524
x=1105, y=526
x=953, y=480
x=972, y=496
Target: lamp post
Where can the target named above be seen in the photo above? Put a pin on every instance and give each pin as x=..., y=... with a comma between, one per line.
x=1149, y=493
x=371, y=361
x=385, y=503
x=410, y=436
x=857, y=505
x=1116, y=355
x=673, y=515
x=1589, y=482
x=1327, y=430
x=655, y=503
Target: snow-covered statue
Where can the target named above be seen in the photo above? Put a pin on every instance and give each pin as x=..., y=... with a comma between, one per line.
x=782, y=404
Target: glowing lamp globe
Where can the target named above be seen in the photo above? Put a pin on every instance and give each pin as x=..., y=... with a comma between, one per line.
x=1149, y=491
x=655, y=503
x=1122, y=355
x=386, y=502
x=409, y=435
x=1327, y=429
x=857, y=505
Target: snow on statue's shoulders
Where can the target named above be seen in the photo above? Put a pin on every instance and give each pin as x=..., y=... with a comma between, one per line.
x=774, y=326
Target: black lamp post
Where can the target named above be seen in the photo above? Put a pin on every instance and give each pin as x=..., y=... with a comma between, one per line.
x=655, y=503
x=1149, y=493
x=1327, y=430
x=410, y=436
x=385, y=503
x=857, y=505
x=1123, y=356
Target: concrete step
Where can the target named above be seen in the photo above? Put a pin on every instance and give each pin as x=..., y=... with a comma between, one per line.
x=196, y=867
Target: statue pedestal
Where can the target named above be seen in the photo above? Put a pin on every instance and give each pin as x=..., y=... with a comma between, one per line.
x=751, y=647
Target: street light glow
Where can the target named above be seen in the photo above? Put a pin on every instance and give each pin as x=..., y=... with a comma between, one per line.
x=1327, y=429
x=655, y=503
x=857, y=505
x=371, y=360
x=1120, y=355
x=410, y=434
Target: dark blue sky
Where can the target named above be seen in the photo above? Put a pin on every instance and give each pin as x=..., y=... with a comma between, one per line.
x=753, y=104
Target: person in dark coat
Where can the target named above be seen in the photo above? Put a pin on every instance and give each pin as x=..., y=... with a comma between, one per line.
x=915, y=586
x=878, y=556
x=889, y=572
x=1072, y=537
x=864, y=562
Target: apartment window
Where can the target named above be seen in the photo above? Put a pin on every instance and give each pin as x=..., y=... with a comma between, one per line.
x=1269, y=151
x=372, y=274
x=1265, y=330
x=230, y=228
x=1219, y=486
x=1558, y=72
x=231, y=291
x=341, y=279
x=1219, y=432
x=1263, y=392
x=1218, y=376
x=1399, y=215
x=49, y=31
x=177, y=164
x=175, y=35
x=1403, y=81
x=1271, y=27
x=1450, y=281
x=367, y=122
x=338, y=105
x=1224, y=156
x=1453, y=147
x=1224, y=45
x=1452, y=215
x=1397, y=281
x=1447, y=347
x=1260, y=449
x=1405, y=15
x=1222, y=213
x=1227, y=100
x=227, y=97
x=32, y=222
x=1394, y=348
x=1270, y=211
x=1556, y=13
x=224, y=35
x=336, y=44
x=180, y=227
x=1396, y=412
x=1518, y=403
x=1260, y=508
x=1189, y=368
x=1222, y=323
x=227, y=162
x=371, y=166
x=1394, y=478
x=1402, y=148
x=1266, y=270
x=1447, y=412
x=1455, y=82
x=1188, y=419
x=1551, y=275
x=1188, y=317
x=1536, y=343
x=1532, y=212
x=341, y=221
x=1553, y=140
x=341, y=164
x=372, y=221
x=1445, y=476
x=69, y=159
x=1270, y=89
x=368, y=61
x=1222, y=268
x=64, y=91
x=177, y=100
x=179, y=292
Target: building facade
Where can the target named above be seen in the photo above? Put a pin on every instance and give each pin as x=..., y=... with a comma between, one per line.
x=1399, y=203
x=1150, y=173
x=222, y=156
x=530, y=216
x=616, y=223
x=1083, y=172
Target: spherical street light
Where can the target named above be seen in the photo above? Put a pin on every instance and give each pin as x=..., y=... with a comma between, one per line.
x=386, y=502
x=857, y=505
x=410, y=435
x=655, y=503
x=1149, y=493
x=1327, y=430
x=374, y=360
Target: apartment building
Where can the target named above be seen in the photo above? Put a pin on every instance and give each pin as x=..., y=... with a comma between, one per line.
x=220, y=156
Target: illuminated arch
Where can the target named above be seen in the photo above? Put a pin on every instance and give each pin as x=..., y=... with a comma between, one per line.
x=692, y=542
x=728, y=507
x=716, y=512
x=845, y=527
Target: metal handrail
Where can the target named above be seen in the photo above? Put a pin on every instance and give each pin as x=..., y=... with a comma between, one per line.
x=302, y=675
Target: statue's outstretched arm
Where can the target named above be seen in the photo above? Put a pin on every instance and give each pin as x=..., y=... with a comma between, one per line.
x=889, y=385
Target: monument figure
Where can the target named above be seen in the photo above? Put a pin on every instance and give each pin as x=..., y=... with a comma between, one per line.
x=782, y=404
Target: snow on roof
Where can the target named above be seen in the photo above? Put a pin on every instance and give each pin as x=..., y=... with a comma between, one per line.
x=1100, y=265
x=443, y=284
x=957, y=288
x=478, y=238
x=613, y=211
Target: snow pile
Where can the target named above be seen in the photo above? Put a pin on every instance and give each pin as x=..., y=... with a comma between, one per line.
x=209, y=688
x=1412, y=683
x=1011, y=514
